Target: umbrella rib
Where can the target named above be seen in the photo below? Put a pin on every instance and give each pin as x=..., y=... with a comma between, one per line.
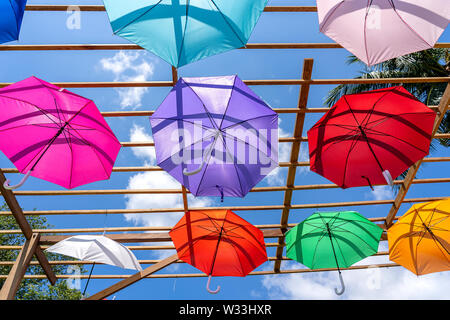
x=354, y=234
x=60, y=114
x=351, y=110
x=390, y=117
x=134, y=20
x=207, y=165
x=369, y=4
x=329, y=16
x=69, y=143
x=33, y=105
x=228, y=104
x=229, y=25
x=369, y=114
x=315, y=249
x=340, y=251
x=379, y=133
x=184, y=33
x=234, y=165
x=208, y=113
x=81, y=139
x=352, y=146
x=246, y=143
x=409, y=27
x=192, y=144
x=244, y=121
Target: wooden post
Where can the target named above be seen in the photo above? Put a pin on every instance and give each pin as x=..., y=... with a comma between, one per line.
x=17, y=212
x=134, y=278
x=19, y=268
x=295, y=151
x=440, y=114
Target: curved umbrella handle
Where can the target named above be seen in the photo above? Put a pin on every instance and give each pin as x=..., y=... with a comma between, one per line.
x=340, y=292
x=205, y=157
x=191, y=173
x=207, y=286
x=9, y=187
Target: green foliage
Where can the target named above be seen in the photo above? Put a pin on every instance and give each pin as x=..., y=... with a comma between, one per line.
x=33, y=289
x=427, y=63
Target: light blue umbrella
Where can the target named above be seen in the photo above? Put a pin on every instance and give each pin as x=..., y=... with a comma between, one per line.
x=184, y=31
x=11, y=14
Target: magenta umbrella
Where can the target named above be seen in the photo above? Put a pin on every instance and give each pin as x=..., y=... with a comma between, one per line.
x=379, y=30
x=55, y=135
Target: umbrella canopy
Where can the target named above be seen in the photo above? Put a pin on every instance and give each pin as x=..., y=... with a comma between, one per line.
x=184, y=31
x=219, y=243
x=215, y=136
x=99, y=249
x=11, y=14
x=54, y=134
x=371, y=137
x=420, y=239
x=379, y=30
x=332, y=240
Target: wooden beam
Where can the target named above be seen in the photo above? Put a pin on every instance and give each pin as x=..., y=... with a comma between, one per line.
x=260, y=82
x=142, y=237
x=295, y=152
x=233, y=208
x=17, y=272
x=19, y=216
x=412, y=172
x=127, y=46
x=134, y=278
x=101, y=8
x=202, y=275
x=177, y=191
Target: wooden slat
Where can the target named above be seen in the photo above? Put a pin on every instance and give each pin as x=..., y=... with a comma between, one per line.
x=101, y=8
x=295, y=152
x=201, y=275
x=177, y=191
x=281, y=164
x=440, y=114
x=266, y=82
x=126, y=46
x=233, y=208
x=142, y=237
x=17, y=213
x=17, y=272
x=134, y=278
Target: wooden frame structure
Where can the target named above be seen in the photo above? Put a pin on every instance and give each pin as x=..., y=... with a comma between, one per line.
x=38, y=240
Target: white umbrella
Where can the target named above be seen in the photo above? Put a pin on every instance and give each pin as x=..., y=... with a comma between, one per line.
x=98, y=249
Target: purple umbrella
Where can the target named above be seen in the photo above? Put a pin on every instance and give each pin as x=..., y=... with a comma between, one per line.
x=215, y=136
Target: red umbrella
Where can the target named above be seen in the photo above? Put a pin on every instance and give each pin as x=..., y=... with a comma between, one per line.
x=219, y=243
x=370, y=137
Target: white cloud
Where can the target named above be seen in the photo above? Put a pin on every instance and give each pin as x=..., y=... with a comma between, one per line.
x=130, y=66
x=138, y=134
x=381, y=193
x=278, y=176
x=365, y=284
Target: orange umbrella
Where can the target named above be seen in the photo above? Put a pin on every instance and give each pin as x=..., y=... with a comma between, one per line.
x=420, y=240
x=219, y=243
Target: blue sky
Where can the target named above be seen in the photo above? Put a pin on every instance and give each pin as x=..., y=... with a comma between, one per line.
x=67, y=66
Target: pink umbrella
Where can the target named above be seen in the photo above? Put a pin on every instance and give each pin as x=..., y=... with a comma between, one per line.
x=55, y=135
x=379, y=30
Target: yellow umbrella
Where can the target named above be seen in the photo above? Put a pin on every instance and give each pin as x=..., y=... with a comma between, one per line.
x=420, y=240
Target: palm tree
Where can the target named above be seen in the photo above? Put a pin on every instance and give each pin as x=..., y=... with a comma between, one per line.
x=428, y=63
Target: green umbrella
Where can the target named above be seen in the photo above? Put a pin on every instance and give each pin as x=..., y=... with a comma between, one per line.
x=333, y=240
